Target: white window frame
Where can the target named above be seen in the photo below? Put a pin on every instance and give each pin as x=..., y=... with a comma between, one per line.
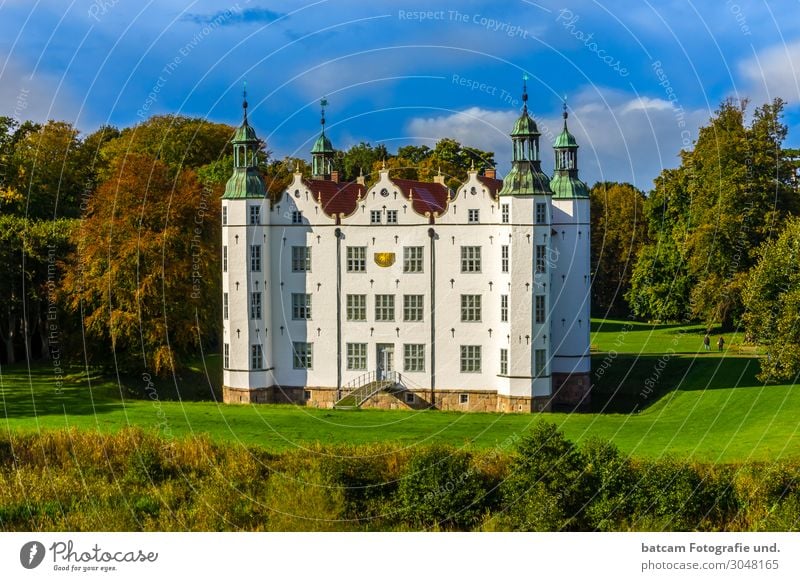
x=413, y=357
x=503, y=361
x=256, y=356
x=255, y=258
x=255, y=215
x=540, y=362
x=384, y=307
x=413, y=308
x=473, y=216
x=541, y=213
x=541, y=259
x=356, y=356
x=297, y=217
x=505, y=213
x=301, y=307
x=471, y=308
x=226, y=355
x=470, y=359
x=539, y=309
x=504, y=308
x=225, y=309
x=255, y=305
x=391, y=216
x=356, y=305
x=504, y=258
x=356, y=259
x=302, y=355
x=375, y=217
x=224, y=259
x=470, y=259
x=301, y=259
x=413, y=259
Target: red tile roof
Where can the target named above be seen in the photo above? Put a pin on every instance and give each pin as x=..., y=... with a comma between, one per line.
x=336, y=197
x=492, y=184
x=425, y=196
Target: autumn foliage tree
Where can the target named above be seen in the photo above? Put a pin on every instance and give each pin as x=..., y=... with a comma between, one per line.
x=145, y=275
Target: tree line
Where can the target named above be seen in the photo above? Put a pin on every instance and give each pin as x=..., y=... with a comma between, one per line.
x=715, y=241
x=110, y=240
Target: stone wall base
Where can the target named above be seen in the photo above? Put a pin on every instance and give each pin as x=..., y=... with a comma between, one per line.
x=572, y=391
x=443, y=399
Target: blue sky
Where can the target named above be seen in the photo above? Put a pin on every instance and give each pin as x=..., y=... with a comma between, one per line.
x=640, y=77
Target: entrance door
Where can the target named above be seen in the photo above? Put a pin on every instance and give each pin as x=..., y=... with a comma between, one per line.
x=385, y=359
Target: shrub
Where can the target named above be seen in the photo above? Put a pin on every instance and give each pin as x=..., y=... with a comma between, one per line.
x=441, y=489
x=545, y=464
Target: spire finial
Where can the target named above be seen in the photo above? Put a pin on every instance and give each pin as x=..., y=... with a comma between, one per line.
x=384, y=163
x=244, y=101
x=525, y=92
x=472, y=165
x=323, y=103
x=565, y=114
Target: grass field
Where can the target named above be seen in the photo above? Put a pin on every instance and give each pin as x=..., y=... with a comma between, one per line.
x=656, y=393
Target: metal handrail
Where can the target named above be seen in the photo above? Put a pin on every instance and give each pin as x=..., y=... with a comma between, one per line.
x=366, y=385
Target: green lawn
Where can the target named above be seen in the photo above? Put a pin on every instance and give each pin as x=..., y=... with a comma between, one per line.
x=656, y=392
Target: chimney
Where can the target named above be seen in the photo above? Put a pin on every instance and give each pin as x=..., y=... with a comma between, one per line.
x=490, y=172
x=335, y=176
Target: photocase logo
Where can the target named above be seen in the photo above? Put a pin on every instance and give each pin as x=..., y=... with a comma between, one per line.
x=31, y=554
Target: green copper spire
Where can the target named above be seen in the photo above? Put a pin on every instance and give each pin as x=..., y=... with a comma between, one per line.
x=565, y=183
x=246, y=181
x=526, y=176
x=322, y=152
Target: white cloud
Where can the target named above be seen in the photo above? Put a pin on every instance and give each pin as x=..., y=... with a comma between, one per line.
x=33, y=97
x=773, y=72
x=622, y=137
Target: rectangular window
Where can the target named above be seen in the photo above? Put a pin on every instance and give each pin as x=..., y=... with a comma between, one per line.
x=539, y=309
x=504, y=213
x=503, y=361
x=470, y=308
x=225, y=306
x=301, y=258
x=255, y=215
x=504, y=258
x=463, y=398
x=224, y=259
x=541, y=258
x=375, y=217
x=255, y=305
x=414, y=357
x=470, y=359
x=297, y=217
x=356, y=307
x=256, y=357
x=540, y=362
x=391, y=216
x=470, y=259
x=255, y=258
x=356, y=356
x=224, y=215
x=410, y=397
x=226, y=355
x=384, y=307
x=473, y=216
x=301, y=306
x=504, y=308
x=356, y=259
x=302, y=355
x=541, y=213
x=412, y=259
x=412, y=307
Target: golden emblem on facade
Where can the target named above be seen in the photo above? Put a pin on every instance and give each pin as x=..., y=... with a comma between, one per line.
x=384, y=259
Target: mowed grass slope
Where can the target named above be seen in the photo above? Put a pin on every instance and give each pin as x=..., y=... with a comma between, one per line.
x=656, y=392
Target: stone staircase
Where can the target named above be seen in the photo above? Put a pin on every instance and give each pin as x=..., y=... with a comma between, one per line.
x=361, y=389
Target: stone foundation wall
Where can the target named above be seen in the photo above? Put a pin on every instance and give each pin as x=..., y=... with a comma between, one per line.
x=572, y=391
x=444, y=399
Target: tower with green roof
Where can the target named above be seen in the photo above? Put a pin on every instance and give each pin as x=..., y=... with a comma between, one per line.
x=524, y=253
x=571, y=278
x=246, y=284
x=322, y=151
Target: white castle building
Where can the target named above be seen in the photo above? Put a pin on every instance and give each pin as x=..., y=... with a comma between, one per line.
x=407, y=293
